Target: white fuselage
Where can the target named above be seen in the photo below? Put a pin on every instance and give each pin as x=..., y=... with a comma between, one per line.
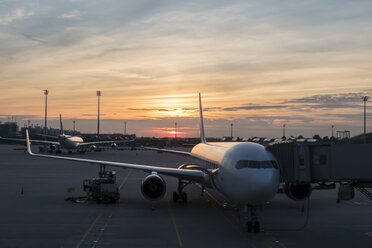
x=69, y=142
x=247, y=173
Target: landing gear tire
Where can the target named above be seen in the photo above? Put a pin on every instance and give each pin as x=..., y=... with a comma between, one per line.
x=184, y=197
x=249, y=226
x=252, y=225
x=175, y=197
x=256, y=227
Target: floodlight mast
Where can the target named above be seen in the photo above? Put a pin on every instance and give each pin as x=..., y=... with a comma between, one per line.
x=365, y=99
x=99, y=96
x=125, y=128
x=175, y=130
x=46, y=92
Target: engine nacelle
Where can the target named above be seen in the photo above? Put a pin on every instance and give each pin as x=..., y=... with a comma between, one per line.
x=52, y=147
x=153, y=187
x=297, y=191
x=113, y=145
x=93, y=147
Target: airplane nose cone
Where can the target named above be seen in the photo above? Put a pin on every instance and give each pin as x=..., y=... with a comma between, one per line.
x=252, y=186
x=265, y=190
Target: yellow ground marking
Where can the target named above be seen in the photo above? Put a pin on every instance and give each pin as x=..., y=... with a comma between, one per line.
x=180, y=243
x=88, y=231
x=99, y=216
x=125, y=180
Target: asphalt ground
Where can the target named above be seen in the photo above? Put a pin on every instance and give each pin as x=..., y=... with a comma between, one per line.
x=34, y=212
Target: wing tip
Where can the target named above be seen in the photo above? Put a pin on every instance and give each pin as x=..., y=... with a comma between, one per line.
x=28, y=143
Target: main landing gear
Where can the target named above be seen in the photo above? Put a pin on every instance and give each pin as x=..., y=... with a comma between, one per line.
x=252, y=225
x=180, y=195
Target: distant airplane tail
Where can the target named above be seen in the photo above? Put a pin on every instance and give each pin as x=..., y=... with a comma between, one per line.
x=61, y=125
x=202, y=135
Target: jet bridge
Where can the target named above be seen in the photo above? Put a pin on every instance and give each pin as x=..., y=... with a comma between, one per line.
x=322, y=165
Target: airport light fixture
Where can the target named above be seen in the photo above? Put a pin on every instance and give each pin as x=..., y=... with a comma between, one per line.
x=46, y=92
x=125, y=128
x=99, y=96
x=73, y=122
x=365, y=99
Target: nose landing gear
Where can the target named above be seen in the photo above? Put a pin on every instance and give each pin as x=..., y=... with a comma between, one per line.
x=252, y=225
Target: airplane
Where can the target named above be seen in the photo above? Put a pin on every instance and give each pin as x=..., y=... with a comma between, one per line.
x=244, y=172
x=69, y=142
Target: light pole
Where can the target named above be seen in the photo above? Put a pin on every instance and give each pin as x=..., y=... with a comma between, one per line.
x=175, y=130
x=365, y=99
x=332, y=130
x=99, y=96
x=231, y=130
x=125, y=128
x=46, y=92
x=73, y=122
x=283, y=130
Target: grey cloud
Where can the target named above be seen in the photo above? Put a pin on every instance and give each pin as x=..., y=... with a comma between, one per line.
x=152, y=109
x=270, y=119
x=255, y=107
x=21, y=116
x=211, y=109
x=357, y=116
x=329, y=101
x=30, y=37
x=88, y=115
x=331, y=98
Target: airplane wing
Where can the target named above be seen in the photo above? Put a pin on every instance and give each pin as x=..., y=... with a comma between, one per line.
x=104, y=142
x=33, y=141
x=49, y=136
x=187, y=174
x=169, y=151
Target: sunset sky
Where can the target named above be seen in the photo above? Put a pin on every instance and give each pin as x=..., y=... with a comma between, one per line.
x=258, y=64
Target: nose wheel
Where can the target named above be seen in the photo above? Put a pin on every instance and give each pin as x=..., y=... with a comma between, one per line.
x=253, y=225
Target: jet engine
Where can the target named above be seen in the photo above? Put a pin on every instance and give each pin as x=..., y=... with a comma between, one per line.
x=113, y=145
x=297, y=191
x=52, y=147
x=153, y=187
x=93, y=147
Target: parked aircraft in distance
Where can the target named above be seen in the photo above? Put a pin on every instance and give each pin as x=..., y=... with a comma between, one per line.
x=69, y=142
x=245, y=173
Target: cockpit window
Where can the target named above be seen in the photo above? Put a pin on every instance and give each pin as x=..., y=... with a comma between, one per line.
x=256, y=164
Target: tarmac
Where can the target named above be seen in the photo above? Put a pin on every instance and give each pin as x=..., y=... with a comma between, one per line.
x=34, y=212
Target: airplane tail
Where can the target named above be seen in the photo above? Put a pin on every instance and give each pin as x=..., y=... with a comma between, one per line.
x=61, y=125
x=202, y=135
